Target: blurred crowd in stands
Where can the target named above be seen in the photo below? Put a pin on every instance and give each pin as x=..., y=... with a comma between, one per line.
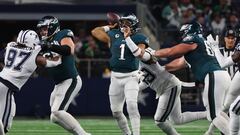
x=215, y=15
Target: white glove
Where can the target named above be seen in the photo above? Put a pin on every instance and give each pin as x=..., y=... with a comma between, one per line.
x=150, y=51
x=140, y=75
x=214, y=44
x=53, y=63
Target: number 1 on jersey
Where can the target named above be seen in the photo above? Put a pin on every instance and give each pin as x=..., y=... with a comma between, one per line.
x=122, y=47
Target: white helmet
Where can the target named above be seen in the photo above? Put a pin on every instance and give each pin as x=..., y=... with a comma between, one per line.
x=28, y=37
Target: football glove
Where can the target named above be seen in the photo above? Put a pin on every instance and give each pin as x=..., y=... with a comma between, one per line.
x=153, y=58
x=214, y=44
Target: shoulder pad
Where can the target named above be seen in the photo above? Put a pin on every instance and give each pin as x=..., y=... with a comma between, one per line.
x=11, y=44
x=66, y=33
x=140, y=39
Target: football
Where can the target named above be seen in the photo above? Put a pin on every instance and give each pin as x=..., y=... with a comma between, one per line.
x=112, y=17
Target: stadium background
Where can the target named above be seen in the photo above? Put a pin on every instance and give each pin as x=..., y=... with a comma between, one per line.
x=92, y=56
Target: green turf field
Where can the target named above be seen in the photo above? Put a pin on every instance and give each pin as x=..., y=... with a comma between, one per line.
x=99, y=126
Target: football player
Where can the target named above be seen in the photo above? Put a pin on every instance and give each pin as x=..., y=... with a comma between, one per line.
x=168, y=89
x=225, y=62
x=234, y=113
x=206, y=70
x=21, y=60
x=67, y=81
x=124, y=66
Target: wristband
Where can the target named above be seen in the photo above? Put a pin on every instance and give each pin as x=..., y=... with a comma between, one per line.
x=106, y=28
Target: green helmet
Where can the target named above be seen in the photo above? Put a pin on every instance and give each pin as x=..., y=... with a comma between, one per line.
x=191, y=28
x=133, y=22
x=52, y=25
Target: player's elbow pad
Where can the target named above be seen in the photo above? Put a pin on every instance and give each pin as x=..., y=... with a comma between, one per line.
x=64, y=50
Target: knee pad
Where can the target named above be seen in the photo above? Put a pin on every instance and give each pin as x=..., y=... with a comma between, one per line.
x=159, y=124
x=117, y=114
x=54, y=117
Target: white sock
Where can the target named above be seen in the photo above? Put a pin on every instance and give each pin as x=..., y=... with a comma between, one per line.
x=221, y=123
x=68, y=122
x=188, y=117
x=134, y=117
x=234, y=123
x=2, y=129
x=167, y=128
x=122, y=122
x=210, y=130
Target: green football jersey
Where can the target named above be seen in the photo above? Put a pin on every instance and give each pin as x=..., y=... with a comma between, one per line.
x=67, y=68
x=202, y=59
x=122, y=59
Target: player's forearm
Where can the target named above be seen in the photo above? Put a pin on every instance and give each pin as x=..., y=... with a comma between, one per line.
x=168, y=52
x=137, y=51
x=176, y=64
x=44, y=62
x=176, y=51
x=100, y=34
x=61, y=49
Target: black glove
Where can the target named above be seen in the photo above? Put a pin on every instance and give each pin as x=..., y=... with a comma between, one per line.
x=46, y=46
x=60, y=49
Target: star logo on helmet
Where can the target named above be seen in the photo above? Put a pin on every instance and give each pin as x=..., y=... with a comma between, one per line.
x=187, y=38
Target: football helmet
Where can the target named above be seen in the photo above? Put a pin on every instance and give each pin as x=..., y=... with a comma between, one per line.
x=28, y=38
x=52, y=25
x=191, y=28
x=131, y=21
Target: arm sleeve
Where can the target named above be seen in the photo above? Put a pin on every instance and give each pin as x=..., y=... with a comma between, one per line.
x=136, y=50
x=224, y=62
x=64, y=50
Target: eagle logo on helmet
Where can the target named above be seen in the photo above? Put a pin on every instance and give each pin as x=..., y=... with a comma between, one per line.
x=191, y=28
x=132, y=22
x=52, y=25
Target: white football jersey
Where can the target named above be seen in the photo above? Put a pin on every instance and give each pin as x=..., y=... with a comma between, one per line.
x=158, y=78
x=19, y=64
